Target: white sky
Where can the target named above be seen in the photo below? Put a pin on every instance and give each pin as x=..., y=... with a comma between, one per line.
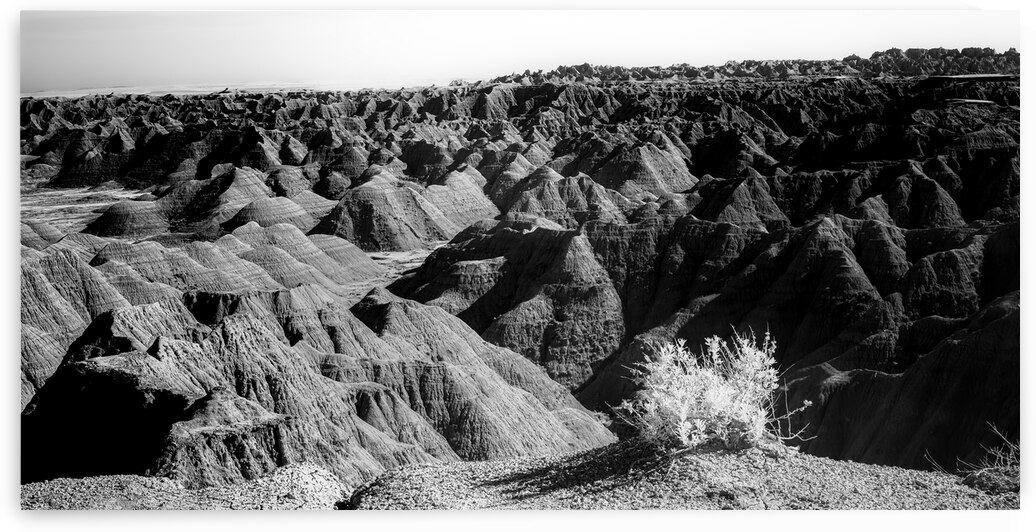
x=352, y=49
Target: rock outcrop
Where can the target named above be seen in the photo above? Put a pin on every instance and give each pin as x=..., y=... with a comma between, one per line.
x=531, y=286
x=386, y=213
x=208, y=406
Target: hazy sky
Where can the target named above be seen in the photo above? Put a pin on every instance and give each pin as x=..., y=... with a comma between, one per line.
x=351, y=49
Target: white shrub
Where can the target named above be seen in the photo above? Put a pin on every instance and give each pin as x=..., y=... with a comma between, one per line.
x=726, y=397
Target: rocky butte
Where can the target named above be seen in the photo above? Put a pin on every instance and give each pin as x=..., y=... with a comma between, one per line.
x=236, y=291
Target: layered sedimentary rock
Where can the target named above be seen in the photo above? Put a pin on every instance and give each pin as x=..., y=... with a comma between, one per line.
x=386, y=213
x=162, y=394
x=569, y=201
x=864, y=211
x=272, y=211
x=812, y=288
x=531, y=286
x=941, y=409
x=165, y=390
x=69, y=284
x=197, y=205
x=482, y=379
x=459, y=196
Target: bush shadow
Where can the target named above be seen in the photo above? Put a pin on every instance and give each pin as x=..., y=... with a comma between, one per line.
x=594, y=471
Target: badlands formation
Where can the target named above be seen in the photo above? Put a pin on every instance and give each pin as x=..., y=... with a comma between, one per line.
x=217, y=287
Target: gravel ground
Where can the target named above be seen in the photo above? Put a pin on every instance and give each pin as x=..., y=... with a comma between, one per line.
x=292, y=487
x=624, y=476
x=618, y=476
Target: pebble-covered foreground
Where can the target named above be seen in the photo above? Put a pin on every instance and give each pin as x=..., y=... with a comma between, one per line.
x=293, y=487
x=611, y=478
x=618, y=476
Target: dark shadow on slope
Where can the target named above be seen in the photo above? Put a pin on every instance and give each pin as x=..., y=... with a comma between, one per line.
x=597, y=470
